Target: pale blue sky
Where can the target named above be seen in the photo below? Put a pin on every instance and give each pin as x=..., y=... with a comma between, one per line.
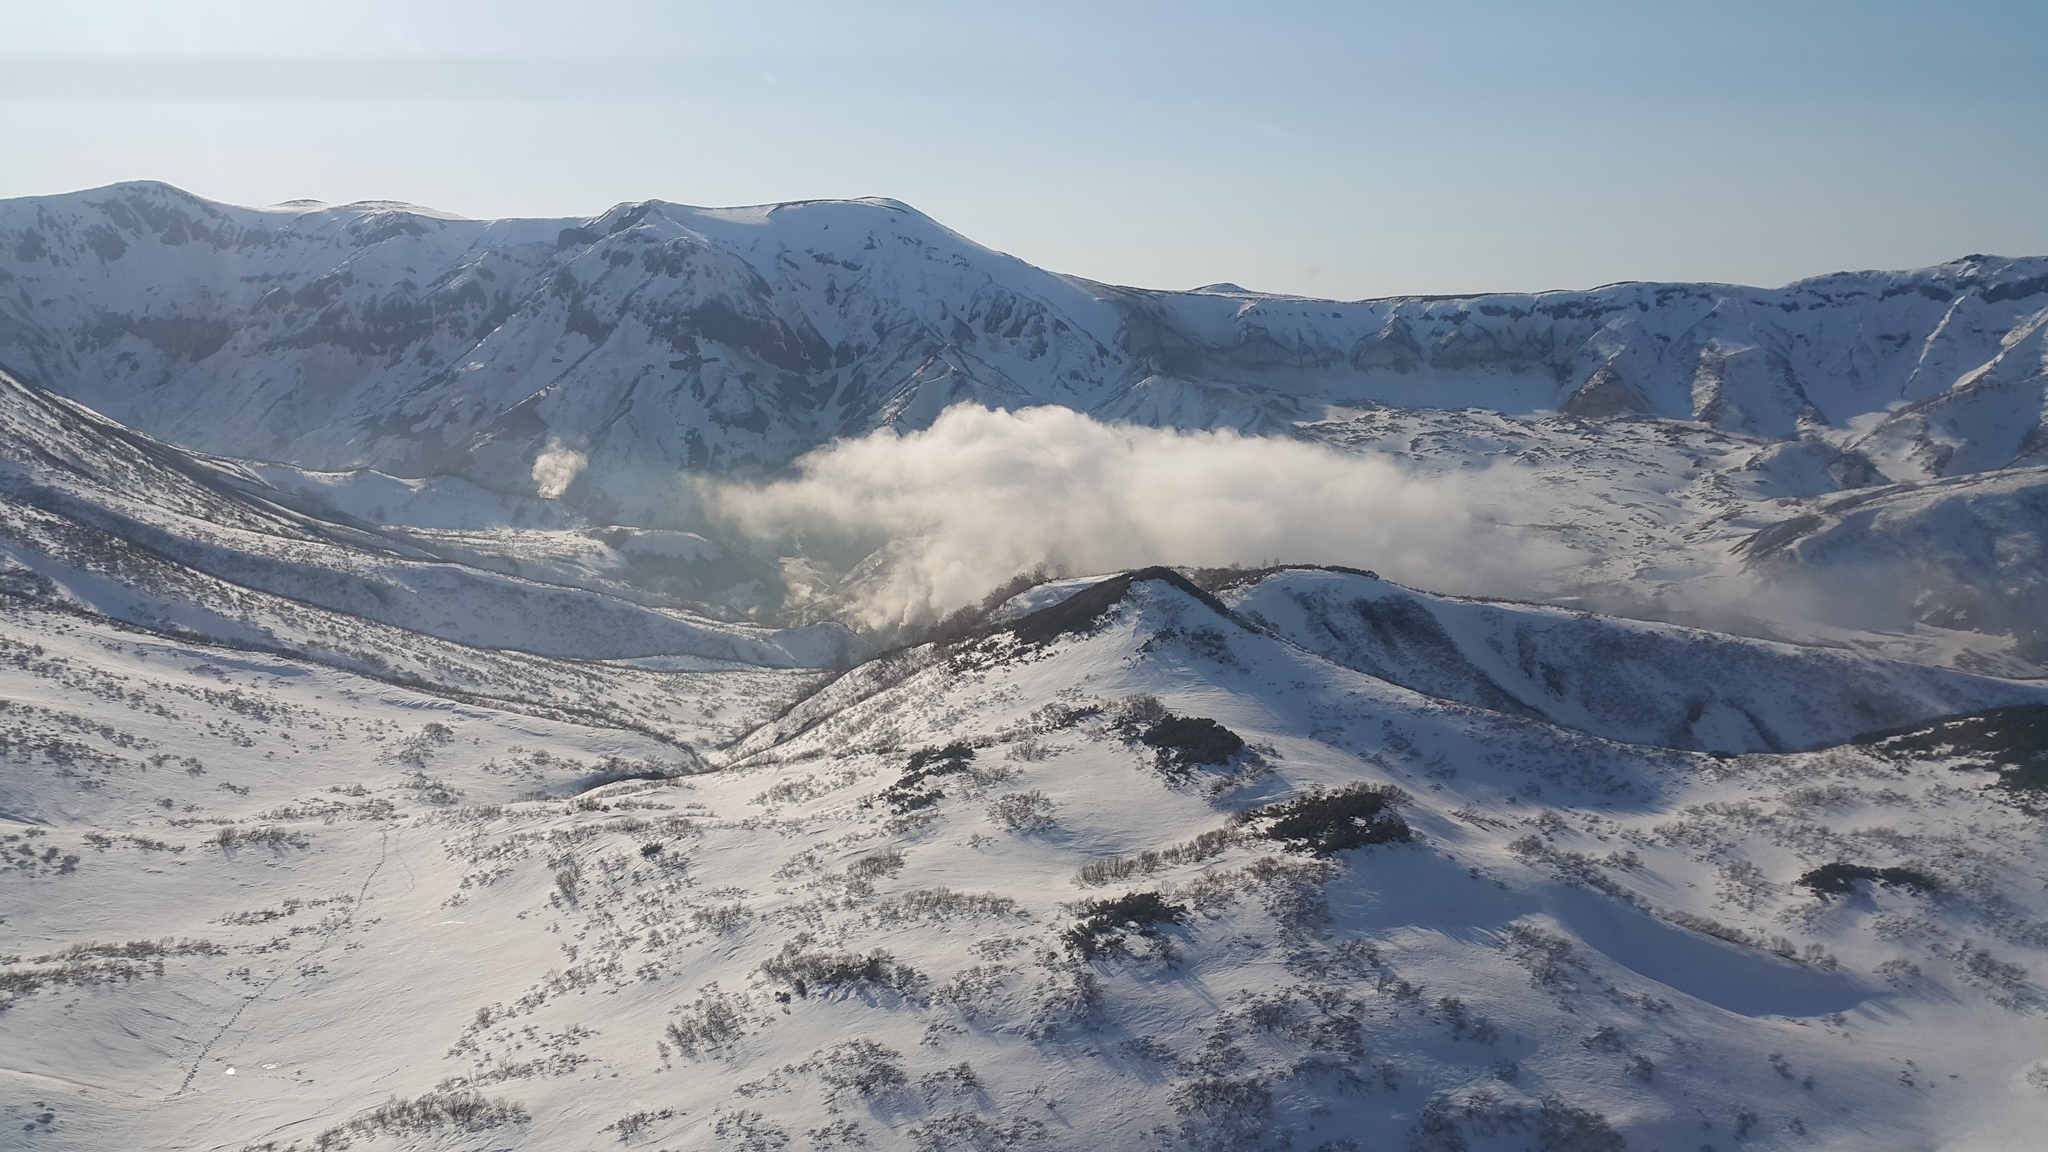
x=1325, y=148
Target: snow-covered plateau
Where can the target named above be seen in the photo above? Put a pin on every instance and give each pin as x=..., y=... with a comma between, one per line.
x=402, y=746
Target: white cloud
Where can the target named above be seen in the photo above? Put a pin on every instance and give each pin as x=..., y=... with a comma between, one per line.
x=555, y=469
x=919, y=523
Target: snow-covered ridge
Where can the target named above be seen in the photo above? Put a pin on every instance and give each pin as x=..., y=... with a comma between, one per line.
x=962, y=898
x=657, y=335
x=1625, y=680
x=96, y=516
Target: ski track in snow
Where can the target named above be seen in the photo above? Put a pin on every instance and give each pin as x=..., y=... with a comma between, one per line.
x=326, y=938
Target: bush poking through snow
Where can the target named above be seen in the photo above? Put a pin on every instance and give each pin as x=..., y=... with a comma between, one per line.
x=710, y=1024
x=1223, y=1111
x=1203, y=847
x=1024, y=812
x=464, y=1108
x=1189, y=742
x=802, y=970
x=1327, y=823
x=861, y=1068
x=881, y=862
x=1840, y=879
x=1104, y=923
x=724, y=919
x=83, y=964
x=2011, y=741
x=963, y=1129
x=276, y=839
x=913, y=789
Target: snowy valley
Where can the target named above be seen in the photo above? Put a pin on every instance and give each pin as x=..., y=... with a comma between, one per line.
x=451, y=701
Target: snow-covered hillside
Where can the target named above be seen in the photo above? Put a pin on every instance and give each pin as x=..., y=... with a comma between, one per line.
x=656, y=334
x=1126, y=872
x=405, y=744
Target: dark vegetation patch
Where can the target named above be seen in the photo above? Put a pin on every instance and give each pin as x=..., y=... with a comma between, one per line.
x=803, y=969
x=613, y=769
x=861, y=1068
x=706, y=1026
x=1840, y=879
x=1183, y=743
x=1326, y=823
x=465, y=1109
x=1192, y=741
x=914, y=789
x=2012, y=742
x=1104, y=924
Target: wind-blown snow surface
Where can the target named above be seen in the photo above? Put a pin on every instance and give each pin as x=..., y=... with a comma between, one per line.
x=252, y=900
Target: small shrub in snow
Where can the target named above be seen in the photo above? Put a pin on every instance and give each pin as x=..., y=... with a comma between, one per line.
x=630, y=1126
x=1221, y=1110
x=1840, y=879
x=861, y=1068
x=1563, y=1128
x=942, y=903
x=276, y=839
x=83, y=964
x=1031, y=751
x=1024, y=812
x=885, y=862
x=711, y=1023
x=803, y=969
x=722, y=919
x=1104, y=923
x=1544, y=954
x=1203, y=847
x=914, y=790
x=749, y=1132
x=1326, y=823
x=465, y=1109
x=569, y=878
x=966, y=1130
x=958, y=1080
x=1188, y=742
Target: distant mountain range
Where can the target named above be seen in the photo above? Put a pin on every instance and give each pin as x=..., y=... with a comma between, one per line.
x=657, y=336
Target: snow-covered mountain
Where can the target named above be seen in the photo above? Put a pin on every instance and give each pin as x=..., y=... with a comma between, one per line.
x=657, y=335
x=393, y=756
x=1131, y=870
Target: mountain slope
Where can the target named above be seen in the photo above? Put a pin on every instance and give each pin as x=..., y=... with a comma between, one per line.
x=60, y=463
x=957, y=900
x=1623, y=680
x=656, y=334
